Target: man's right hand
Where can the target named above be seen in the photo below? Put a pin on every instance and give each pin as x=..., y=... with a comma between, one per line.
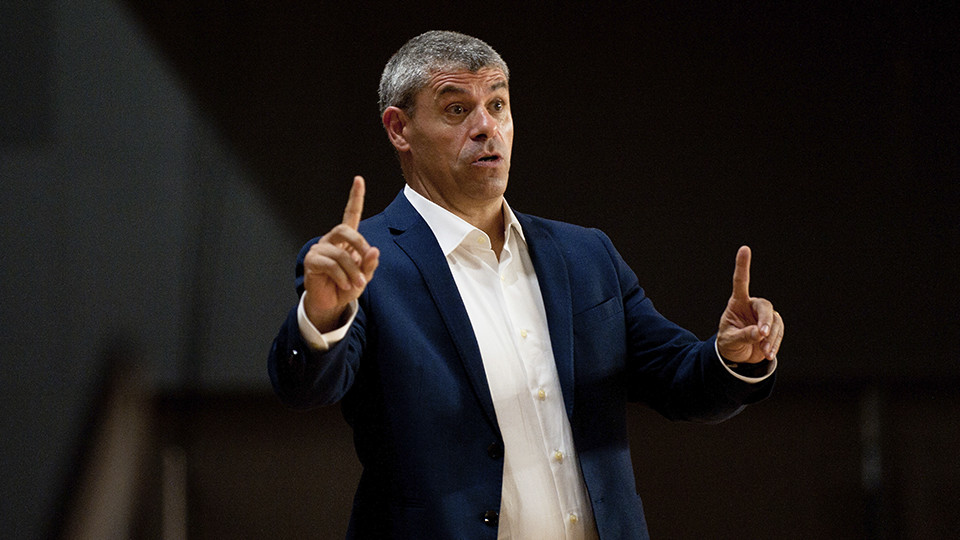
x=338, y=267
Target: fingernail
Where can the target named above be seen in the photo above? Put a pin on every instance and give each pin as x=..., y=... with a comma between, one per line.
x=766, y=329
x=361, y=281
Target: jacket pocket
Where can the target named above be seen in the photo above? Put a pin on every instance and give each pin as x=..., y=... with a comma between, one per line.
x=597, y=314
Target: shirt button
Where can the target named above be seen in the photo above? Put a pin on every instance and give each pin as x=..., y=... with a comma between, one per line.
x=558, y=456
x=573, y=519
x=502, y=277
x=541, y=394
x=481, y=240
x=523, y=332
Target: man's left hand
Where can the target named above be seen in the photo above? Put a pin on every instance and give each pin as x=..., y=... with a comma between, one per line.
x=750, y=329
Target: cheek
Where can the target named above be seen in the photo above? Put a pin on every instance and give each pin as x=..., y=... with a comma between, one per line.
x=506, y=125
x=437, y=145
x=507, y=131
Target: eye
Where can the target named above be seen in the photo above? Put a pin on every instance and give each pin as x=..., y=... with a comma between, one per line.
x=498, y=105
x=456, y=109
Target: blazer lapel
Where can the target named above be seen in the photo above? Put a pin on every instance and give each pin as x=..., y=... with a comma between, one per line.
x=412, y=234
x=548, y=262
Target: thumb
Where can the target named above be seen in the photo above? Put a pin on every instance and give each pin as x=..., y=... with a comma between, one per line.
x=748, y=334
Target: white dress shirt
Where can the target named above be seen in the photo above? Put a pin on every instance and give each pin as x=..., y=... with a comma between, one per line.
x=544, y=495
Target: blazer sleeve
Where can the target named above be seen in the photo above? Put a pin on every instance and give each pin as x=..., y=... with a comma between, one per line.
x=304, y=378
x=669, y=368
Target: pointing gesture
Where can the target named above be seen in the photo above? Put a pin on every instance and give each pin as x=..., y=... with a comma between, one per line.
x=338, y=267
x=354, y=209
x=750, y=329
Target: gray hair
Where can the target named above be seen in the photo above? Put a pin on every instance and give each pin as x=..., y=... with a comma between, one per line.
x=410, y=68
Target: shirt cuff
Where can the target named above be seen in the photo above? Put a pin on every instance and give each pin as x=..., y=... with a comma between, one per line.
x=771, y=367
x=321, y=341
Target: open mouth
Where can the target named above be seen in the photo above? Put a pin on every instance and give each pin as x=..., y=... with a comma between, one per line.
x=488, y=159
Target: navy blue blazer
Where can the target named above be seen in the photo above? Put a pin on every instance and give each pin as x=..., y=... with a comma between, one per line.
x=411, y=383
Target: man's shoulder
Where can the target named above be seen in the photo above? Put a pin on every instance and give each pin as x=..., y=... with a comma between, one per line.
x=399, y=214
x=557, y=228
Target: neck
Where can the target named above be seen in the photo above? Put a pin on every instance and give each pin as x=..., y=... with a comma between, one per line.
x=488, y=218
x=493, y=225
x=486, y=215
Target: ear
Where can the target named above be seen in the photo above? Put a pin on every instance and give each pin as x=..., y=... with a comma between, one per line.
x=394, y=122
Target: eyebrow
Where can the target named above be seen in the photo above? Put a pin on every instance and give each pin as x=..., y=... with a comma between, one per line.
x=451, y=89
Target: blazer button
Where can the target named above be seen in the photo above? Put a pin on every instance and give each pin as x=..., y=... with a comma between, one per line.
x=491, y=518
x=495, y=450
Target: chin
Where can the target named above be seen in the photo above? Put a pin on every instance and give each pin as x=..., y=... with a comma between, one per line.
x=497, y=183
x=490, y=188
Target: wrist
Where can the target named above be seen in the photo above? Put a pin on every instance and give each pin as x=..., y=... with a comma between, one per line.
x=324, y=320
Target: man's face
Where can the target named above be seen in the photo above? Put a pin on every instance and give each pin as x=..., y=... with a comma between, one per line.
x=460, y=137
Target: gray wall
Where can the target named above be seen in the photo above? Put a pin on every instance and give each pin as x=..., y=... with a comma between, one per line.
x=126, y=223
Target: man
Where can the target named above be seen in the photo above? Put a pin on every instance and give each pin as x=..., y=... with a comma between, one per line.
x=482, y=356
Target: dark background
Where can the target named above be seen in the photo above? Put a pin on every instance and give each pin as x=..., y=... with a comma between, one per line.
x=139, y=139
x=822, y=134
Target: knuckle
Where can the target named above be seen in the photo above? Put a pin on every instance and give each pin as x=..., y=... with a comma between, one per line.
x=326, y=266
x=338, y=231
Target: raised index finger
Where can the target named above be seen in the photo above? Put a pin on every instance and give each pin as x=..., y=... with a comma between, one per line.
x=354, y=209
x=741, y=274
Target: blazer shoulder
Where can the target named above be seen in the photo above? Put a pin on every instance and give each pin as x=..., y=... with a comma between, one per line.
x=566, y=234
x=375, y=228
x=556, y=227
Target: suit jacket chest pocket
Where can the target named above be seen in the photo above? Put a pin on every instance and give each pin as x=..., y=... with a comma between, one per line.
x=603, y=314
x=599, y=338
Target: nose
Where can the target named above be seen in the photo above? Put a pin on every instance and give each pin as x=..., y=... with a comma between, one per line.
x=484, y=126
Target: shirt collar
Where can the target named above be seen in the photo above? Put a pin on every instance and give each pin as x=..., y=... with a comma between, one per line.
x=450, y=229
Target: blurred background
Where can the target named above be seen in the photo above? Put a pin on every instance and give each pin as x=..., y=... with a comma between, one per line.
x=162, y=162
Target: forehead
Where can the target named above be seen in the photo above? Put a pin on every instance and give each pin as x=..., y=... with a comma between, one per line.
x=482, y=81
